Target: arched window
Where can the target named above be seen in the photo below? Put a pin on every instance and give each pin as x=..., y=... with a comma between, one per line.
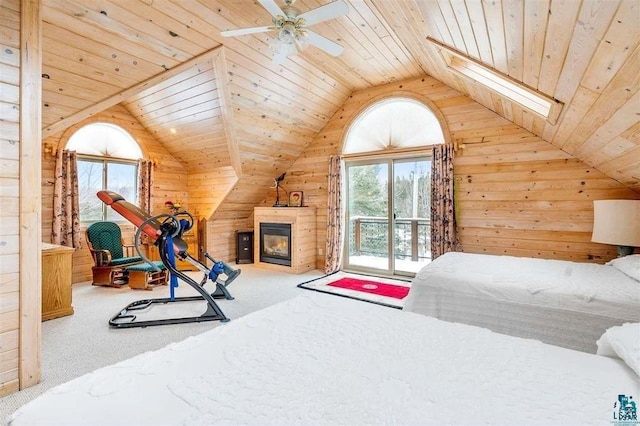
x=398, y=123
x=107, y=159
x=388, y=195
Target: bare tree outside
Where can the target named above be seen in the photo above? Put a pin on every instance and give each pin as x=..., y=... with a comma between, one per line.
x=122, y=178
x=412, y=208
x=96, y=175
x=89, y=183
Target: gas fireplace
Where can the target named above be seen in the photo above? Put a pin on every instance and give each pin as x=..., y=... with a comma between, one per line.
x=275, y=243
x=290, y=245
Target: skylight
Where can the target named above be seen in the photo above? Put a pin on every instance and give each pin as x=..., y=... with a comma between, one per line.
x=539, y=103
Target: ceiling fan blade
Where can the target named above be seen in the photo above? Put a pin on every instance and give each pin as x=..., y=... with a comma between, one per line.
x=324, y=13
x=243, y=31
x=272, y=8
x=323, y=43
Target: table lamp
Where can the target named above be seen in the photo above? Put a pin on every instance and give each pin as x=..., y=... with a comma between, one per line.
x=617, y=222
x=277, y=186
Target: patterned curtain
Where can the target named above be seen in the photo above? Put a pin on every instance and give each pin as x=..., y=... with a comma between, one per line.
x=443, y=219
x=334, y=216
x=145, y=183
x=66, y=211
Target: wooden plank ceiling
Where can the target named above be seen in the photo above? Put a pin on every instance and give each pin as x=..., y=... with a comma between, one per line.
x=585, y=54
x=183, y=113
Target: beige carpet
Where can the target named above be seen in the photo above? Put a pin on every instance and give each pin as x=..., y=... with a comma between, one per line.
x=83, y=342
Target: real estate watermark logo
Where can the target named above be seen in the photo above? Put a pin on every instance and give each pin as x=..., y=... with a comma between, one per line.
x=625, y=411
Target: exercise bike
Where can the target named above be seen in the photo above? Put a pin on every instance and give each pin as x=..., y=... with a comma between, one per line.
x=165, y=231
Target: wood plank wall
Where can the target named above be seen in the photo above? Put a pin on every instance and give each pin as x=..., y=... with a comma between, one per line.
x=208, y=189
x=516, y=193
x=170, y=182
x=29, y=373
x=9, y=194
x=235, y=213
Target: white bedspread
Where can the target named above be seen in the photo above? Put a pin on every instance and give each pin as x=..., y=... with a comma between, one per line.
x=564, y=303
x=320, y=359
x=583, y=287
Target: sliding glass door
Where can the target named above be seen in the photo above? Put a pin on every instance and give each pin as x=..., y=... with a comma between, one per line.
x=388, y=210
x=367, y=217
x=412, y=215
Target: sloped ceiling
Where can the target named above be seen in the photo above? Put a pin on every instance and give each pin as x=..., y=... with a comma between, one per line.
x=585, y=54
x=183, y=113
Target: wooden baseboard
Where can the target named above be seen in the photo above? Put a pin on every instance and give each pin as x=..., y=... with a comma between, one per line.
x=9, y=388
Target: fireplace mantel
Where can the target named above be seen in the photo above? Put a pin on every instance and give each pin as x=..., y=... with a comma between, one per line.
x=303, y=236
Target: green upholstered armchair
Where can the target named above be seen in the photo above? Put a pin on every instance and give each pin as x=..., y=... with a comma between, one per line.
x=110, y=255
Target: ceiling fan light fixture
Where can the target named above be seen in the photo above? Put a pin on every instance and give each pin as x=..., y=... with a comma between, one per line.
x=281, y=50
x=289, y=41
x=293, y=36
x=287, y=33
x=302, y=41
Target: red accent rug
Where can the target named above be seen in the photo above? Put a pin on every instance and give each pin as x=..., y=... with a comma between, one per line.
x=373, y=287
x=383, y=291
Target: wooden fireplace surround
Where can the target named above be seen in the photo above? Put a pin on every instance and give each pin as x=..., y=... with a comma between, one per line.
x=303, y=236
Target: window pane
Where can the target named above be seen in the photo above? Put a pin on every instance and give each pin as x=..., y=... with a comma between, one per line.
x=368, y=227
x=122, y=178
x=104, y=139
x=89, y=183
x=394, y=123
x=412, y=189
x=412, y=201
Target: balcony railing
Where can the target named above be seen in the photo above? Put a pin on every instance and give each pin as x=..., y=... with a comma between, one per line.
x=412, y=237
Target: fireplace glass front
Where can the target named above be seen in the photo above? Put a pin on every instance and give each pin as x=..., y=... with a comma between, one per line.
x=275, y=243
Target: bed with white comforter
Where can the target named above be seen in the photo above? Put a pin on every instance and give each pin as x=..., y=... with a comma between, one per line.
x=563, y=303
x=319, y=359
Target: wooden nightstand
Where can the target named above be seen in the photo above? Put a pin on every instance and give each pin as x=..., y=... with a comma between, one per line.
x=56, y=281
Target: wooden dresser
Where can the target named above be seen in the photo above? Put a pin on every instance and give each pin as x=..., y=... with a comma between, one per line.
x=56, y=281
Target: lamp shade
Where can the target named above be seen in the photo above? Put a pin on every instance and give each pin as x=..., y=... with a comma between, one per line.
x=616, y=222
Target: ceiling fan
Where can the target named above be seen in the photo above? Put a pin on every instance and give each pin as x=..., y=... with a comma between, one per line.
x=293, y=35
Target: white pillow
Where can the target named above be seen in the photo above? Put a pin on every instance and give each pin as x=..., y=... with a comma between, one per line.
x=622, y=342
x=629, y=265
